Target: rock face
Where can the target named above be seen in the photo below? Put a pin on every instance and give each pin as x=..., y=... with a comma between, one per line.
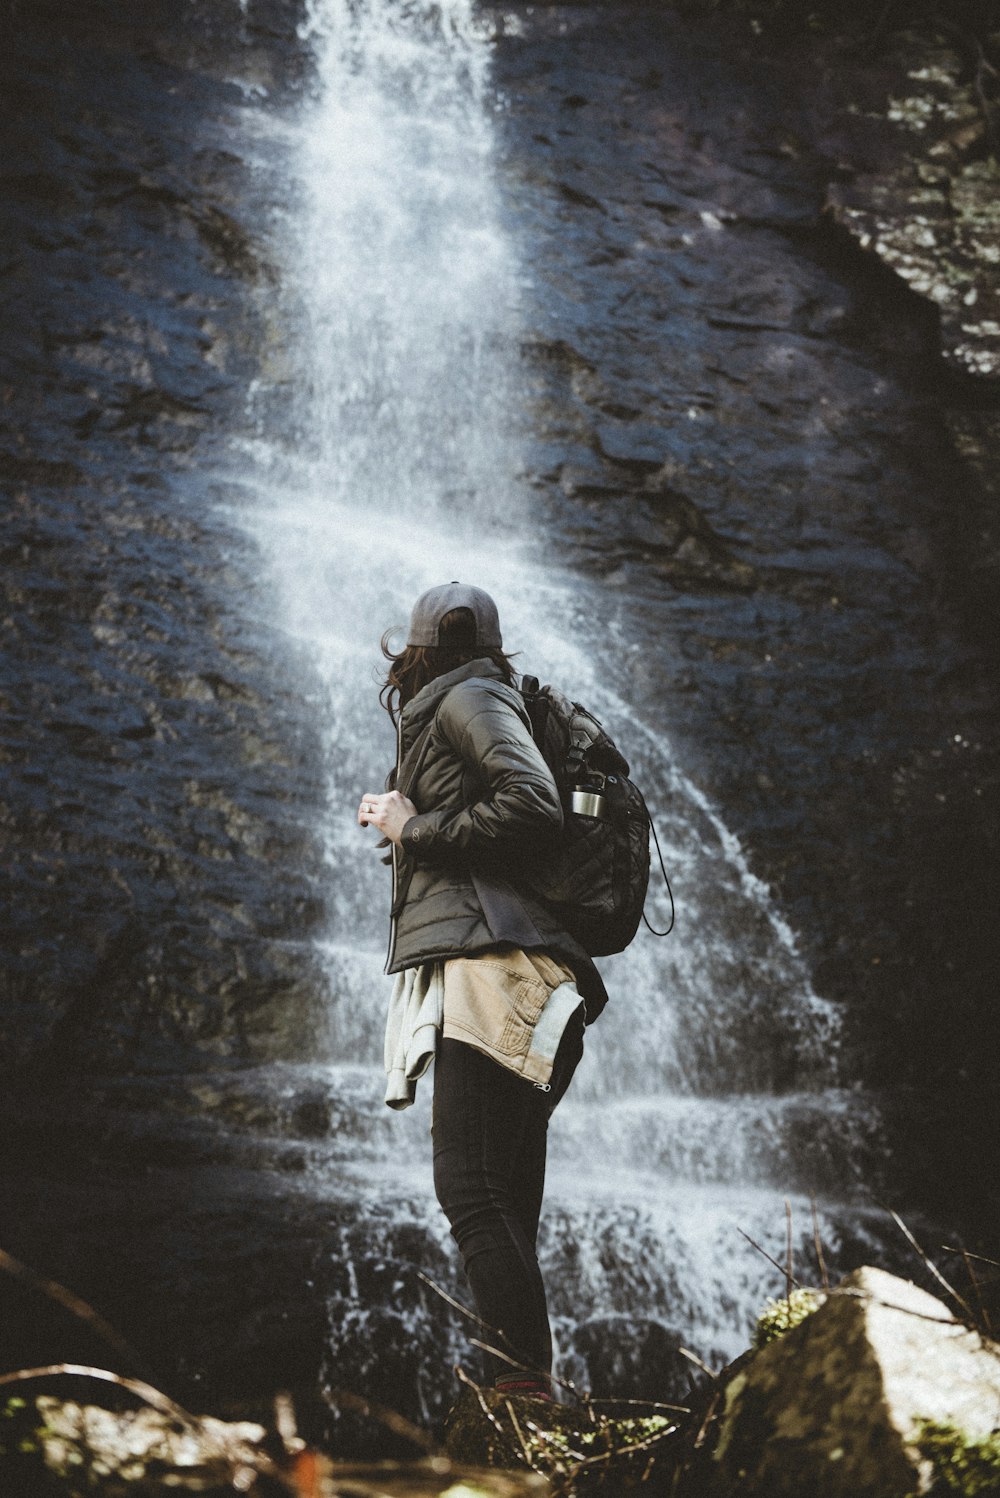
x=932, y=210
x=835, y=1407
x=741, y=420
x=733, y=417
x=155, y=779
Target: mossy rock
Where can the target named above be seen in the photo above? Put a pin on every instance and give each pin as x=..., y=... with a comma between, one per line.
x=779, y=1316
x=580, y=1449
x=962, y=1464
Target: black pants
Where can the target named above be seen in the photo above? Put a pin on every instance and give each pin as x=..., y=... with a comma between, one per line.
x=490, y=1128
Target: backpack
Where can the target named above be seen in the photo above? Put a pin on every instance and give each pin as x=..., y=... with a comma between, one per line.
x=596, y=880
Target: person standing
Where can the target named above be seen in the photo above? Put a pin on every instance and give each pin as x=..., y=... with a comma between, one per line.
x=487, y=982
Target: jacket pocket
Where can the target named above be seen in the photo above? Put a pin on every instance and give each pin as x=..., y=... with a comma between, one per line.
x=496, y=1005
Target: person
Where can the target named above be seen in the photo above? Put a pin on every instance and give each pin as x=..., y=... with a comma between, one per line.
x=487, y=981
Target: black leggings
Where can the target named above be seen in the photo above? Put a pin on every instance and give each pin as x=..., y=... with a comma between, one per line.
x=490, y=1129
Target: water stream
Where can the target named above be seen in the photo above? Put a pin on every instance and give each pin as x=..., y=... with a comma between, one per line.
x=711, y=1089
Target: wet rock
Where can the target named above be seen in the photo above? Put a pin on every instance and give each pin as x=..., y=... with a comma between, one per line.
x=153, y=784
x=839, y=1404
x=831, y=582
x=930, y=213
x=622, y=1352
x=632, y=445
x=56, y=1448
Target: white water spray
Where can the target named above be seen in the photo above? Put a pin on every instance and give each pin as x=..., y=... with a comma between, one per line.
x=399, y=470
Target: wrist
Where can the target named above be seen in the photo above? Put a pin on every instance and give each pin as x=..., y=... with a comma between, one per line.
x=412, y=834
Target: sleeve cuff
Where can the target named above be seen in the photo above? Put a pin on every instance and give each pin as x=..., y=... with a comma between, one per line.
x=416, y=834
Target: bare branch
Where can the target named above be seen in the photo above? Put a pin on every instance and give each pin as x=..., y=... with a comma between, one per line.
x=974, y=1280
x=72, y=1303
x=819, y=1246
x=646, y=1404
x=464, y=1378
x=137, y=1386
x=967, y=1253
x=781, y=1268
x=935, y=1271
x=709, y=1417
x=520, y=1436
x=693, y=1357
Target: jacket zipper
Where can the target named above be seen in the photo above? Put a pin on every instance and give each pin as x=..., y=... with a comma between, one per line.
x=394, y=854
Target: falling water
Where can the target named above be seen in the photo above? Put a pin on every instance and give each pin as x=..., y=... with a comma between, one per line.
x=396, y=465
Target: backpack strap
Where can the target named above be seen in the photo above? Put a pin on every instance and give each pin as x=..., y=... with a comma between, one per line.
x=579, y=743
x=536, y=704
x=663, y=871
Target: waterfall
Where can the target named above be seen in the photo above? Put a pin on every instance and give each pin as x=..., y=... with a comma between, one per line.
x=711, y=1088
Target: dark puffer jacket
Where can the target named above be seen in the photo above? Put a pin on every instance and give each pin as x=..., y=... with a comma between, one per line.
x=487, y=807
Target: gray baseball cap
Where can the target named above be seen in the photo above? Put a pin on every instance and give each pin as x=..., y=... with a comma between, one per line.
x=431, y=607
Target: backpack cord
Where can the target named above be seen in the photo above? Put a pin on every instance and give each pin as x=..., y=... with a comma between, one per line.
x=666, y=881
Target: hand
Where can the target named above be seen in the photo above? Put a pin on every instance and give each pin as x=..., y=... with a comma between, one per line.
x=389, y=812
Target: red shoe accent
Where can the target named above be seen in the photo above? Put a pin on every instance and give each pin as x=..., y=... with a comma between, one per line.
x=531, y=1388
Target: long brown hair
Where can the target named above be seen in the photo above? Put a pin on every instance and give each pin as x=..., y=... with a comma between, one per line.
x=415, y=665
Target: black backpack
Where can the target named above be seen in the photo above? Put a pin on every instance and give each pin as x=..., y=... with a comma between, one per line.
x=596, y=881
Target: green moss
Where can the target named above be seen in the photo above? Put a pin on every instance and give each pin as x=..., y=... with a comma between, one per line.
x=964, y=1464
x=17, y=1436
x=581, y=1451
x=779, y=1316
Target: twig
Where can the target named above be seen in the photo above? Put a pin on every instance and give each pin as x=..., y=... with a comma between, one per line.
x=211, y=1444
x=968, y=1254
x=849, y=1293
x=542, y=1436
x=72, y=1303
x=144, y=1391
x=693, y=1357
x=974, y=1279
x=520, y=1435
x=789, y=1277
x=496, y=1352
x=464, y=1378
x=604, y=1457
x=455, y=1304
x=646, y=1404
x=286, y=1424
x=713, y=1405
x=754, y=1244
x=391, y=1419
x=819, y=1246
x=935, y=1271
x=646, y=1445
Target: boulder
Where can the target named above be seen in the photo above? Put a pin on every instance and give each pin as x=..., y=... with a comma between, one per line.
x=55, y=1448
x=838, y=1407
